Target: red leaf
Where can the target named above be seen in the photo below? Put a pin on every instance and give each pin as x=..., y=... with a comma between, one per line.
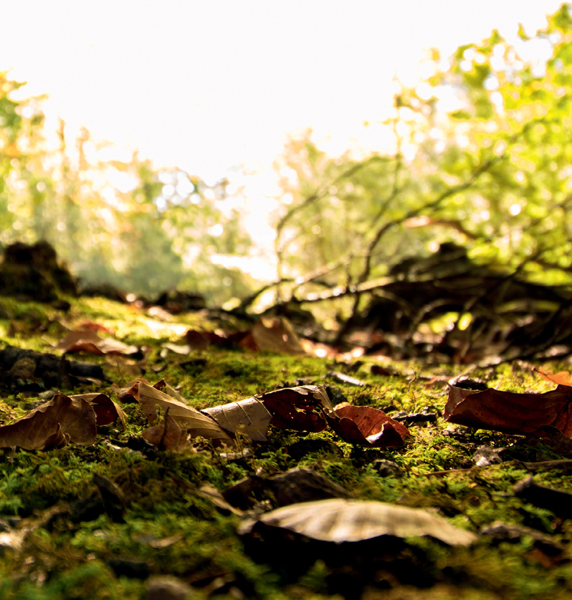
x=300, y=408
x=511, y=412
x=367, y=426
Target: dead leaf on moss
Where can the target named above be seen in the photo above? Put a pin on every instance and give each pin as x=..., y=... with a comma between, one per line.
x=249, y=417
x=187, y=418
x=129, y=392
x=511, y=412
x=93, y=326
x=339, y=520
x=302, y=408
x=367, y=426
x=169, y=390
x=196, y=340
x=82, y=340
x=181, y=349
x=106, y=411
x=273, y=335
x=52, y=425
x=167, y=436
x=560, y=378
x=209, y=492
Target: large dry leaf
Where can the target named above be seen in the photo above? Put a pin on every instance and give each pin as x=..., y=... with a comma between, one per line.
x=249, y=417
x=106, y=411
x=51, y=425
x=302, y=408
x=511, y=412
x=130, y=391
x=89, y=341
x=167, y=436
x=367, y=426
x=339, y=520
x=274, y=335
x=187, y=418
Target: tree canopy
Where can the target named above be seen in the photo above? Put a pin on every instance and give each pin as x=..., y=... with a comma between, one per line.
x=479, y=155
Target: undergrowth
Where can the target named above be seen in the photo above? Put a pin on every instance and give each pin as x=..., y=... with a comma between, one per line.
x=168, y=528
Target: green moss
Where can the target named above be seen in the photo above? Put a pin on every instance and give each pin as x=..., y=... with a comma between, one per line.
x=174, y=530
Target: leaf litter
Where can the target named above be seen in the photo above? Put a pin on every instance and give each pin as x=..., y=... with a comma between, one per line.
x=175, y=427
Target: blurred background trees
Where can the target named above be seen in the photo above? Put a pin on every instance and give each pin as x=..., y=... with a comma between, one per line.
x=479, y=154
x=121, y=222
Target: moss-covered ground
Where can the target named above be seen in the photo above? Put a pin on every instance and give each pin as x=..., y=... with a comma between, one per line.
x=167, y=528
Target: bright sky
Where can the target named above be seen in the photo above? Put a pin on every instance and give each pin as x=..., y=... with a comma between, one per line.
x=210, y=85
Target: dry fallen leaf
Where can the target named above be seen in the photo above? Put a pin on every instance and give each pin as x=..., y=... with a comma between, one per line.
x=248, y=416
x=52, y=425
x=511, y=412
x=339, y=520
x=83, y=340
x=561, y=378
x=187, y=418
x=301, y=408
x=367, y=426
x=273, y=335
x=167, y=436
x=106, y=411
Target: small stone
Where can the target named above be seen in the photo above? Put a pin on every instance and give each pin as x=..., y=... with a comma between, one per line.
x=387, y=468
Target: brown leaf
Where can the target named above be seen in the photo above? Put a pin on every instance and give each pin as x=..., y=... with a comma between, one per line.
x=367, y=426
x=301, y=408
x=130, y=391
x=52, y=425
x=248, y=416
x=167, y=436
x=89, y=341
x=274, y=335
x=92, y=326
x=106, y=411
x=511, y=412
x=339, y=520
x=561, y=378
x=187, y=418
x=196, y=340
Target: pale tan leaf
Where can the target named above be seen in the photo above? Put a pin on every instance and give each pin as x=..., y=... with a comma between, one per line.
x=197, y=423
x=339, y=520
x=83, y=340
x=247, y=416
x=276, y=335
x=167, y=436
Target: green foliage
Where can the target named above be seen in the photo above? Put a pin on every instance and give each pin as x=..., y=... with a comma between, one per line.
x=480, y=156
x=122, y=222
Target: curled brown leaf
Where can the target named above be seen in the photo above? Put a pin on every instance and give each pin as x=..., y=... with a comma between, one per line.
x=367, y=426
x=511, y=412
x=52, y=425
x=302, y=408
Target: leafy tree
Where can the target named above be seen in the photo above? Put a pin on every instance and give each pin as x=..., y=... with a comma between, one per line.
x=481, y=157
x=121, y=222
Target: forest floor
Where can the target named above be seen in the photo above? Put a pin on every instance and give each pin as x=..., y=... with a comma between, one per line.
x=122, y=518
